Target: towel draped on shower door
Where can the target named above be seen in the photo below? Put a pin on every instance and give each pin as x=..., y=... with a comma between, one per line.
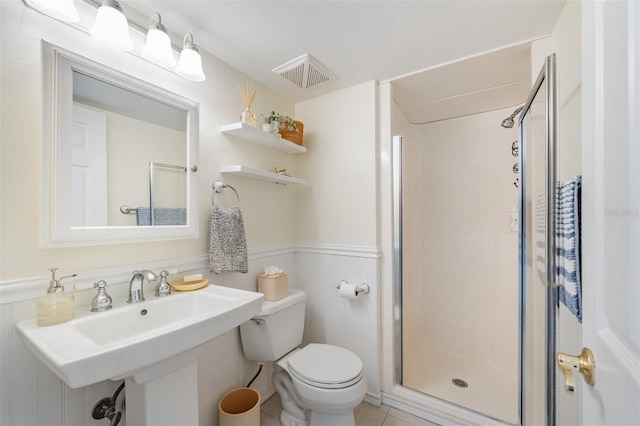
x=568, y=245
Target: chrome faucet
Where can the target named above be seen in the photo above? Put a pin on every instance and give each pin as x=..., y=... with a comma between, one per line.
x=135, y=286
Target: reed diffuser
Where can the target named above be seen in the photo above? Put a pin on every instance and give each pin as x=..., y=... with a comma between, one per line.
x=247, y=116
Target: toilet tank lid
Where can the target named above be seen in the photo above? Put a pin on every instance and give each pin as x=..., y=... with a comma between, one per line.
x=295, y=296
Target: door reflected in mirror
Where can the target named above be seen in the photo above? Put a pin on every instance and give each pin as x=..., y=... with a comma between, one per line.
x=115, y=142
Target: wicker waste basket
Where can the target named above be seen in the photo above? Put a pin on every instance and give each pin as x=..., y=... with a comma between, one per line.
x=240, y=406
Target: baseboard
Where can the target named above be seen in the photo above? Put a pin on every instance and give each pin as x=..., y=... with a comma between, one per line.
x=373, y=399
x=435, y=410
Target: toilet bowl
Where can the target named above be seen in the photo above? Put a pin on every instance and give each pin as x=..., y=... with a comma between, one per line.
x=319, y=384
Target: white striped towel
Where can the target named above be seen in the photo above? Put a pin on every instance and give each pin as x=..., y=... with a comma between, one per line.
x=568, y=245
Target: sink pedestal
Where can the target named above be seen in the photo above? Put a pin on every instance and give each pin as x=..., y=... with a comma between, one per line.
x=165, y=393
x=168, y=400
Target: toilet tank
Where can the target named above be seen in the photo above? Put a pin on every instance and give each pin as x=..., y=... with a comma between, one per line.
x=281, y=331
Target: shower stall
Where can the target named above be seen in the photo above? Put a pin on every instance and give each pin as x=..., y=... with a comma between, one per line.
x=455, y=186
x=458, y=193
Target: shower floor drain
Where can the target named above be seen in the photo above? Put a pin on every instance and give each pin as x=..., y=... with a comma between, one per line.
x=460, y=383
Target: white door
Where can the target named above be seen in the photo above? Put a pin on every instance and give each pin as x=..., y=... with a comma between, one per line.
x=611, y=210
x=89, y=167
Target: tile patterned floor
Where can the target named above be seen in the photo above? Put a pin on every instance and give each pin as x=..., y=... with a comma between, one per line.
x=366, y=415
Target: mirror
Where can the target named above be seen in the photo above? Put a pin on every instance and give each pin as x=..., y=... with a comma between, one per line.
x=119, y=156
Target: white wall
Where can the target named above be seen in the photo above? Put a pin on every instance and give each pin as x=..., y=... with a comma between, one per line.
x=338, y=205
x=268, y=208
x=133, y=143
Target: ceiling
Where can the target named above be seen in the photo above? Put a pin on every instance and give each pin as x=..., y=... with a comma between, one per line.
x=483, y=83
x=359, y=40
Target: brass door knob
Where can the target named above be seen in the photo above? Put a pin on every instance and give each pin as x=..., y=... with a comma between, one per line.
x=584, y=364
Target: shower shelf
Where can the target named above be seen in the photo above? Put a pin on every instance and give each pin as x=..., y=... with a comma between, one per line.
x=260, y=137
x=249, y=172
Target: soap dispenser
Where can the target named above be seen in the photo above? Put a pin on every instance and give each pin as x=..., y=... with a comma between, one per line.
x=57, y=306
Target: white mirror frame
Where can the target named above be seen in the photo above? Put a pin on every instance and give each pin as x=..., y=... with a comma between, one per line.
x=55, y=216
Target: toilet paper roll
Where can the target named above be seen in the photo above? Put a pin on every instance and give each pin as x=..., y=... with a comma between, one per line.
x=348, y=290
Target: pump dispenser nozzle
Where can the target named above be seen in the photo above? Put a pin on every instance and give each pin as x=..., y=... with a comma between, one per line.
x=54, y=285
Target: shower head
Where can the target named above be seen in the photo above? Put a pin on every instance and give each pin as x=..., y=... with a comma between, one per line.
x=508, y=122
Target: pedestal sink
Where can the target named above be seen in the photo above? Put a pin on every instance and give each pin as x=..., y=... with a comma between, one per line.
x=153, y=345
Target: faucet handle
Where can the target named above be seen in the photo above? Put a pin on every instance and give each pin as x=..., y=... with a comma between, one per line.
x=102, y=301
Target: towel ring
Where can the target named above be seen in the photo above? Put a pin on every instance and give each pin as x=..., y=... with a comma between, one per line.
x=219, y=186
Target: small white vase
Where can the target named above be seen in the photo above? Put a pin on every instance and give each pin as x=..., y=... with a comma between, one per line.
x=271, y=128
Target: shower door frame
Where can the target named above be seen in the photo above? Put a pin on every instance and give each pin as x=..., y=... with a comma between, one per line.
x=546, y=81
x=397, y=254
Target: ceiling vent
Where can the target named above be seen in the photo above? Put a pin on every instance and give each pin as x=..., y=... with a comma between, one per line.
x=305, y=72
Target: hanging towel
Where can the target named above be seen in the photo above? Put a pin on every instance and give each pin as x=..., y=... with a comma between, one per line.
x=143, y=216
x=541, y=236
x=162, y=216
x=568, y=245
x=227, y=242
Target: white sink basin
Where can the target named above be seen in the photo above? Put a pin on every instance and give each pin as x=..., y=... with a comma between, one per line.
x=130, y=338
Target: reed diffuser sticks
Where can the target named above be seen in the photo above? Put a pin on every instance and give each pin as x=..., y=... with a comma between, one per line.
x=247, y=116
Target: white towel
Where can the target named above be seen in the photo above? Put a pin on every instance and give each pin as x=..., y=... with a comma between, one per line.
x=227, y=242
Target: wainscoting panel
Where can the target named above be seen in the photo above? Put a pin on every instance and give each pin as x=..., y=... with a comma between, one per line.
x=332, y=319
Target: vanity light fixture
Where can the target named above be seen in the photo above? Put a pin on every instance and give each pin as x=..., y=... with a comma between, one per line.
x=111, y=27
x=157, y=48
x=190, y=62
x=63, y=10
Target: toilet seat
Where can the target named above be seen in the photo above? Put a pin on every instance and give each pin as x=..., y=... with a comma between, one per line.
x=325, y=366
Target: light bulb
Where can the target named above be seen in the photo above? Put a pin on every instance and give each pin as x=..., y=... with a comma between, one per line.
x=158, y=48
x=111, y=27
x=158, y=45
x=190, y=63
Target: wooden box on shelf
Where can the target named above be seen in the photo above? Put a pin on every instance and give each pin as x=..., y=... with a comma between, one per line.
x=292, y=135
x=274, y=287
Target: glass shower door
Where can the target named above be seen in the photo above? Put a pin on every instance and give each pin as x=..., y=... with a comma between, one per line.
x=537, y=252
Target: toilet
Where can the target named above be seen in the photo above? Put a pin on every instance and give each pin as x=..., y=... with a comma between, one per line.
x=318, y=384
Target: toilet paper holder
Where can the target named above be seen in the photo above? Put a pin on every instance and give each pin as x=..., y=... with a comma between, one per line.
x=360, y=288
